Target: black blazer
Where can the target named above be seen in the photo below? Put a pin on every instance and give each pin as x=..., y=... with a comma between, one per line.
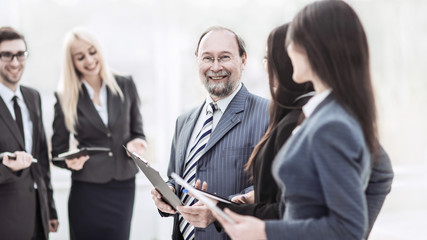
x=124, y=124
x=17, y=193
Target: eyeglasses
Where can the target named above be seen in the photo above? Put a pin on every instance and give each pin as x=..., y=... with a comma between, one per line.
x=211, y=60
x=8, y=56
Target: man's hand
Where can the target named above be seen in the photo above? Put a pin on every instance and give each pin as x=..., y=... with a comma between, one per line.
x=53, y=225
x=77, y=163
x=23, y=160
x=160, y=204
x=197, y=215
x=246, y=198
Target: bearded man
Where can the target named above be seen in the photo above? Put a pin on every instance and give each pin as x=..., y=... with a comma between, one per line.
x=213, y=141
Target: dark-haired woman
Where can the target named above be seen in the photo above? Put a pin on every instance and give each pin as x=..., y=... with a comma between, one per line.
x=288, y=98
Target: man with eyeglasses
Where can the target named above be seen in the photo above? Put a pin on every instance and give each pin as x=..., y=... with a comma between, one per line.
x=27, y=209
x=213, y=142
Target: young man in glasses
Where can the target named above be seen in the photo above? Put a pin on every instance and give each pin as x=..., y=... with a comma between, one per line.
x=26, y=197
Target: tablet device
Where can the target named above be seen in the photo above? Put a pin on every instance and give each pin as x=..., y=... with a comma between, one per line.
x=12, y=156
x=79, y=152
x=202, y=197
x=214, y=196
x=156, y=180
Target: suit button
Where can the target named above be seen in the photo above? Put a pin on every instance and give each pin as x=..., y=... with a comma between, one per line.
x=109, y=135
x=110, y=154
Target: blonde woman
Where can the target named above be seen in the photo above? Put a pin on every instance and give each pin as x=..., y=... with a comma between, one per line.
x=101, y=110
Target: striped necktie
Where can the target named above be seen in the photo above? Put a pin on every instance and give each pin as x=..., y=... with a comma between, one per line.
x=190, y=167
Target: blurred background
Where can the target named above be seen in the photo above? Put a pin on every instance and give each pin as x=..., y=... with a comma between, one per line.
x=154, y=41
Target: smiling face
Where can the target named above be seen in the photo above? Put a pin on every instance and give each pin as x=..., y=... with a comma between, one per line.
x=222, y=76
x=11, y=72
x=86, y=59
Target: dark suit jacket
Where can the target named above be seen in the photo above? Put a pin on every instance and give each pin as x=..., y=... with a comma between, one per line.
x=17, y=193
x=221, y=165
x=124, y=124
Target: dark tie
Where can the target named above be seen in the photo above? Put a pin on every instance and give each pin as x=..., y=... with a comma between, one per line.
x=18, y=116
x=190, y=166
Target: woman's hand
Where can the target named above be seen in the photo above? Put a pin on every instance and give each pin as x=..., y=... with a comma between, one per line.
x=246, y=198
x=245, y=228
x=76, y=164
x=137, y=145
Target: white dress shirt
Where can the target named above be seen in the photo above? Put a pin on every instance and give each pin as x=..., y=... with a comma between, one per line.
x=103, y=108
x=311, y=105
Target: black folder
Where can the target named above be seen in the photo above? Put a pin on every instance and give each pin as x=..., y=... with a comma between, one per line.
x=80, y=152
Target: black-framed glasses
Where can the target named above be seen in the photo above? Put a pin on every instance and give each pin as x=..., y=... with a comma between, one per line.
x=8, y=56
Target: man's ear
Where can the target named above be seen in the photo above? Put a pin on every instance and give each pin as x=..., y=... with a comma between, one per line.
x=244, y=59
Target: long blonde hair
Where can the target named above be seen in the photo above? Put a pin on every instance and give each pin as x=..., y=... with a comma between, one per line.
x=70, y=82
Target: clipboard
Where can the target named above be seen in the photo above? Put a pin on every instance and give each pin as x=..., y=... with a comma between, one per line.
x=12, y=156
x=202, y=197
x=79, y=152
x=156, y=180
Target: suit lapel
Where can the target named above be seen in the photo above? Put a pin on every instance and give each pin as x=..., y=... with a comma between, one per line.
x=230, y=118
x=114, y=103
x=31, y=105
x=85, y=105
x=187, y=130
x=10, y=122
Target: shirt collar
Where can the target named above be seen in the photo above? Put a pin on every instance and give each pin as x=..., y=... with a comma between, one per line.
x=90, y=89
x=223, y=103
x=311, y=105
x=7, y=94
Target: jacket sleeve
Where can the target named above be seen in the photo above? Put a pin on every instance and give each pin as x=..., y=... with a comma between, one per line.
x=61, y=136
x=379, y=186
x=136, y=124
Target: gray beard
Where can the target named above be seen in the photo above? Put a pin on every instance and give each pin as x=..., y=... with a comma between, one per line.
x=220, y=90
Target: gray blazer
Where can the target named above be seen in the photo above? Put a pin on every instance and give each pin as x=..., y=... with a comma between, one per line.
x=241, y=127
x=325, y=167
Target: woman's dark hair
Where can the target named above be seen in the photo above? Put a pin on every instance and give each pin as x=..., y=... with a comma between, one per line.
x=333, y=38
x=283, y=89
